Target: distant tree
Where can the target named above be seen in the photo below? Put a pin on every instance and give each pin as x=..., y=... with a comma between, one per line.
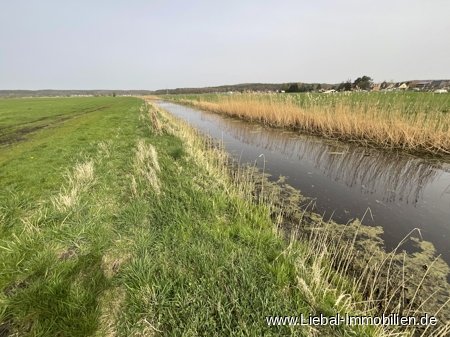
x=345, y=86
x=284, y=87
x=293, y=87
x=364, y=83
x=319, y=86
x=113, y=94
x=305, y=87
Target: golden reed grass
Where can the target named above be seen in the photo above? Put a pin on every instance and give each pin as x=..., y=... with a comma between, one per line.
x=365, y=122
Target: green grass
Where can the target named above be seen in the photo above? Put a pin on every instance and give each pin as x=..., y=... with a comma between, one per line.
x=32, y=162
x=43, y=293
x=111, y=225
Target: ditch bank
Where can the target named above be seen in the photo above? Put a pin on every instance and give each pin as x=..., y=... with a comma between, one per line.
x=404, y=275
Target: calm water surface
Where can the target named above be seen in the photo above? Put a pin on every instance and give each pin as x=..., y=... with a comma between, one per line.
x=403, y=192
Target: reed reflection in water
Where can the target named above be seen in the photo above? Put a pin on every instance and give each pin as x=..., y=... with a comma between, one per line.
x=402, y=191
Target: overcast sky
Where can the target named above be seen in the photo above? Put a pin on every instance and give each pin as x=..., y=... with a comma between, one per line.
x=144, y=44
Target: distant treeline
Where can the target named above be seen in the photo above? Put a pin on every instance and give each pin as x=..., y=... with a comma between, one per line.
x=361, y=83
x=53, y=93
x=275, y=87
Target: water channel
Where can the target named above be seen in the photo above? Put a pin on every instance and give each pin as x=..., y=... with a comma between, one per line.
x=402, y=191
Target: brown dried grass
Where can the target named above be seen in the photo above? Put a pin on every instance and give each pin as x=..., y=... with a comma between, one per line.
x=427, y=132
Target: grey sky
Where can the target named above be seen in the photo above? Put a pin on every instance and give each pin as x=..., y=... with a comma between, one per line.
x=138, y=44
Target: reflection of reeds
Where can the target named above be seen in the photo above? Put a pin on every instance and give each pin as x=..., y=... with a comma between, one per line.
x=390, y=282
x=395, y=177
x=422, y=127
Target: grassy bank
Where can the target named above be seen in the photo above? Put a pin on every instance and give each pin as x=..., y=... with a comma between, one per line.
x=414, y=122
x=120, y=221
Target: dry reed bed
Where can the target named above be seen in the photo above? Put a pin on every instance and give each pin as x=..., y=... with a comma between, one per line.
x=423, y=130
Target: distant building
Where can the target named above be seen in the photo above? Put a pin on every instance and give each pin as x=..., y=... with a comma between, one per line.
x=387, y=86
x=442, y=84
x=376, y=87
x=420, y=85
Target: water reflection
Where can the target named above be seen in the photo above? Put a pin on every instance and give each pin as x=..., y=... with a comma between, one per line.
x=398, y=178
x=403, y=192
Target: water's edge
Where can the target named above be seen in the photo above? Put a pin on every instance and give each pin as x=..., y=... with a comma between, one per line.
x=396, y=191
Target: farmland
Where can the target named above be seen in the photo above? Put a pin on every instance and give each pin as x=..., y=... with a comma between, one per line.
x=412, y=122
x=118, y=220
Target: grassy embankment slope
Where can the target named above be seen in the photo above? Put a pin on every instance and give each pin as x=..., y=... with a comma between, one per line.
x=118, y=220
x=414, y=122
